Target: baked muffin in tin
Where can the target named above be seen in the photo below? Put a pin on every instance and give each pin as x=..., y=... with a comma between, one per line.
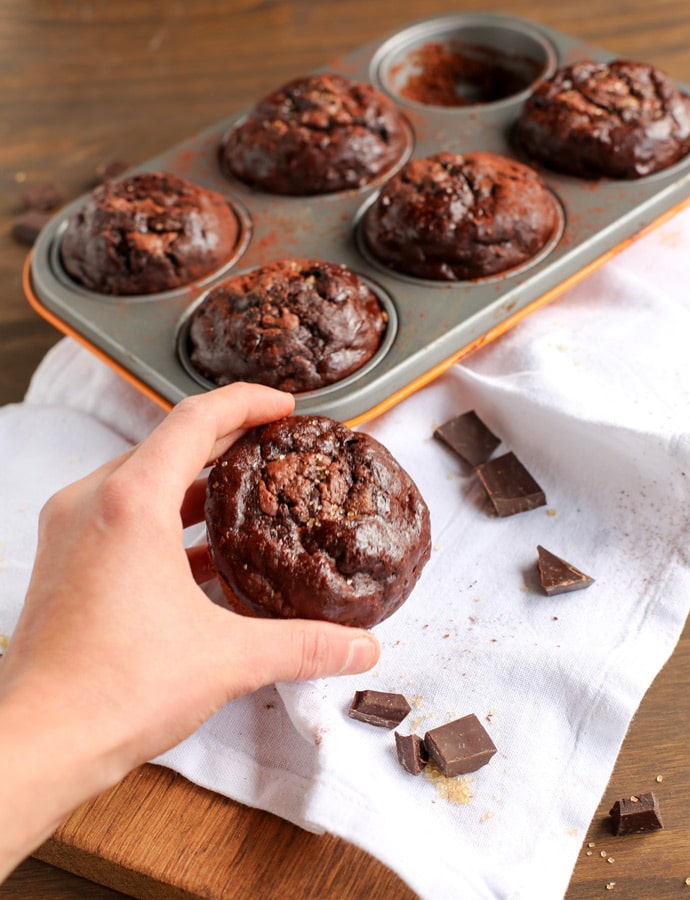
x=316, y=135
x=622, y=119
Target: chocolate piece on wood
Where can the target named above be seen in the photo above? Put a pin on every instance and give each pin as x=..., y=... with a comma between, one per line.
x=27, y=226
x=412, y=754
x=558, y=576
x=460, y=746
x=469, y=437
x=45, y=195
x=509, y=485
x=111, y=168
x=636, y=814
x=379, y=708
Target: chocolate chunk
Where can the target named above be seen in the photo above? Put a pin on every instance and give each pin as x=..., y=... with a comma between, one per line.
x=379, y=708
x=635, y=814
x=509, y=485
x=469, y=437
x=459, y=747
x=111, y=169
x=558, y=576
x=27, y=227
x=412, y=754
x=44, y=196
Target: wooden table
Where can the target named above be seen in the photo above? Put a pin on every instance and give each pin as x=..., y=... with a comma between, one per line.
x=86, y=82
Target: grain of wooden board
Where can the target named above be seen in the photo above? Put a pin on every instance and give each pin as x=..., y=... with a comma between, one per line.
x=90, y=81
x=213, y=851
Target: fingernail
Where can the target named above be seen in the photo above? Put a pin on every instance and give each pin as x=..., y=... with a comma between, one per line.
x=363, y=653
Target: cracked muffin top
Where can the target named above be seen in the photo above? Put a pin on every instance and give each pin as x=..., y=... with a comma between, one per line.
x=317, y=135
x=309, y=519
x=294, y=324
x=450, y=217
x=147, y=233
x=621, y=119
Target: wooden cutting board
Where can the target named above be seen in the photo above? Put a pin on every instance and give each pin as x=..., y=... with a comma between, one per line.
x=156, y=836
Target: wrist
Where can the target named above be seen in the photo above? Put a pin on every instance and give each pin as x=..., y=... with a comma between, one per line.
x=56, y=762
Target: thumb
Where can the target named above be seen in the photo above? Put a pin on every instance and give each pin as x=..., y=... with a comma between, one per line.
x=302, y=649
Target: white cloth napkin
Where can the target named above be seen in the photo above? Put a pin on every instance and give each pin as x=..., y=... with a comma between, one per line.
x=592, y=394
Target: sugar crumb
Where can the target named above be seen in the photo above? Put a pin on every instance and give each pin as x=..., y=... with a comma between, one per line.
x=457, y=790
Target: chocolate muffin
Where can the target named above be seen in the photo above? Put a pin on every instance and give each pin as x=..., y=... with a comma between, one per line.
x=618, y=120
x=308, y=519
x=316, y=135
x=148, y=233
x=451, y=217
x=294, y=324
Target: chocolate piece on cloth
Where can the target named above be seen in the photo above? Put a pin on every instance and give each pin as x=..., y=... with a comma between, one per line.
x=469, y=437
x=412, y=754
x=558, y=576
x=636, y=814
x=379, y=708
x=460, y=746
x=509, y=485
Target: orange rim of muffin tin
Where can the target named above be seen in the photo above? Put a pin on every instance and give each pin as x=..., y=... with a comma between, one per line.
x=408, y=389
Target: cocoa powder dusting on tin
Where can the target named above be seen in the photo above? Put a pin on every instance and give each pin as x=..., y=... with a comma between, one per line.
x=456, y=74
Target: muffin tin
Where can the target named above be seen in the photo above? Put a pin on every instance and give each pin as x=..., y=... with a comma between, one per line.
x=431, y=324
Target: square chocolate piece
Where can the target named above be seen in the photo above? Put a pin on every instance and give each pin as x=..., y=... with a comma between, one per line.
x=636, y=814
x=412, y=754
x=379, y=708
x=558, y=576
x=469, y=437
x=460, y=746
x=509, y=485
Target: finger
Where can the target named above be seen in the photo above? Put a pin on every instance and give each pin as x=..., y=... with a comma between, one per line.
x=198, y=430
x=192, y=509
x=200, y=563
x=303, y=649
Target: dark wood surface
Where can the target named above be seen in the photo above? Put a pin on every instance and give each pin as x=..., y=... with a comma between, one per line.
x=86, y=82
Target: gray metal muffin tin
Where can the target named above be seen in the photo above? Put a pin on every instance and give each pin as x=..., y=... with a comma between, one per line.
x=432, y=324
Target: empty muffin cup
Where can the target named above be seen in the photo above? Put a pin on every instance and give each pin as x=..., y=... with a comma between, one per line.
x=464, y=60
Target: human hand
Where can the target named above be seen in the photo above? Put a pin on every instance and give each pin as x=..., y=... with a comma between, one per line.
x=118, y=653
